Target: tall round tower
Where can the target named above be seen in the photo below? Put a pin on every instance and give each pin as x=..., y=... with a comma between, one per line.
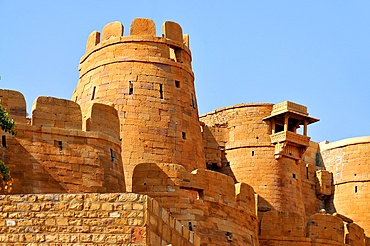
x=149, y=80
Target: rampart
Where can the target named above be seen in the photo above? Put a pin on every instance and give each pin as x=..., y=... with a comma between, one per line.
x=349, y=161
x=149, y=80
x=53, y=154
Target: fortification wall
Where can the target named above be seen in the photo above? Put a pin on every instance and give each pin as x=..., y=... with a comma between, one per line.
x=149, y=80
x=89, y=219
x=53, y=154
x=349, y=161
x=207, y=202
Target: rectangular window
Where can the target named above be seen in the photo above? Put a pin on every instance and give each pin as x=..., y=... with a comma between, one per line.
x=183, y=135
x=112, y=155
x=177, y=84
x=93, y=93
x=161, y=91
x=3, y=141
x=130, y=88
x=193, y=101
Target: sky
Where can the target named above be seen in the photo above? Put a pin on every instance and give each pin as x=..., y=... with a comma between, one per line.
x=315, y=53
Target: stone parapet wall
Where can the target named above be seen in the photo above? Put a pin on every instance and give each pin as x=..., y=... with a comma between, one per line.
x=89, y=219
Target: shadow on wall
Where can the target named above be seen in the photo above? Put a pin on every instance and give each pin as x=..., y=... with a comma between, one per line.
x=29, y=175
x=216, y=157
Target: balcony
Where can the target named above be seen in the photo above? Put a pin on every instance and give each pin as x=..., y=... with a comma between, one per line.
x=291, y=137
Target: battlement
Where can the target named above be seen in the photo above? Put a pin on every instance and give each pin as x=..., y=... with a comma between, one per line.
x=55, y=113
x=139, y=27
x=55, y=152
x=142, y=30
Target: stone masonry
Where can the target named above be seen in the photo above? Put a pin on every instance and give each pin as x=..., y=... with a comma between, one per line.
x=128, y=160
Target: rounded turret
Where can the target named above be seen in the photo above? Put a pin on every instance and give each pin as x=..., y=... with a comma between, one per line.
x=149, y=80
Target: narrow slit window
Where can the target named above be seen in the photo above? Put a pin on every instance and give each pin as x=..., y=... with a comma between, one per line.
x=356, y=189
x=252, y=152
x=190, y=226
x=293, y=175
x=130, y=88
x=177, y=84
x=161, y=91
x=307, y=171
x=3, y=141
x=183, y=134
x=76, y=99
x=60, y=145
x=112, y=155
x=93, y=93
x=193, y=101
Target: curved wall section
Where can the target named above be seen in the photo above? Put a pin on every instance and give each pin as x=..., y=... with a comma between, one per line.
x=349, y=161
x=149, y=80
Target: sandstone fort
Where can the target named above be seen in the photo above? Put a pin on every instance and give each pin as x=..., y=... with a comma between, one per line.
x=128, y=160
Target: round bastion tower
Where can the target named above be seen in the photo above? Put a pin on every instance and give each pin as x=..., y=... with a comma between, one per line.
x=149, y=80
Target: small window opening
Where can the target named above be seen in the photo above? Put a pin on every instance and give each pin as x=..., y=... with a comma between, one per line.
x=190, y=226
x=3, y=141
x=293, y=175
x=183, y=134
x=252, y=152
x=112, y=155
x=177, y=84
x=93, y=93
x=307, y=171
x=356, y=189
x=76, y=99
x=355, y=174
x=200, y=195
x=193, y=101
x=131, y=88
x=228, y=164
x=60, y=145
x=161, y=91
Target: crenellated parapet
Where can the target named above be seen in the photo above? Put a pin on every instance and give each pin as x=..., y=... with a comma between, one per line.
x=208, y=202
x=112, y=46
x=52, y=153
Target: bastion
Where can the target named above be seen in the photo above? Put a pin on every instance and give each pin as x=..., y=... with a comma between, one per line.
x=129, y=161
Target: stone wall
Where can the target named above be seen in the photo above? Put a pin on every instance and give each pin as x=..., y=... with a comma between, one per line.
x=53, y=154
x=349, y=161
x=149, y=80
x=89, y=219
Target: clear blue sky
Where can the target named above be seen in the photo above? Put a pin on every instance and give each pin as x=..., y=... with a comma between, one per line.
x=315, y=53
